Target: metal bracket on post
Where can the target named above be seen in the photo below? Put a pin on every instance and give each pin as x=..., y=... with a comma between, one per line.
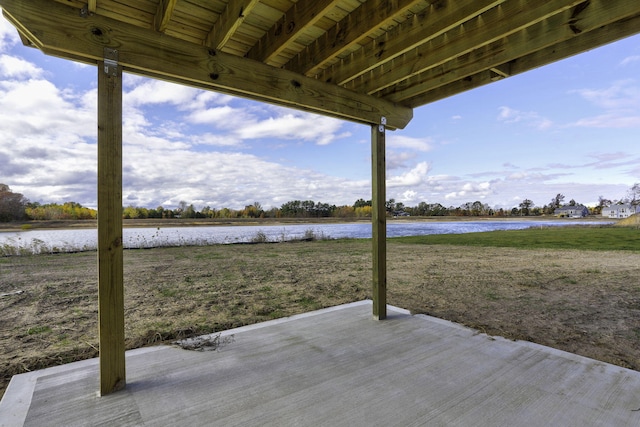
x=84, y=12
x=110, y=61
x=383, y=123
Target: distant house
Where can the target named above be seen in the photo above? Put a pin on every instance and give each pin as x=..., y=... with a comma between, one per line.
x=577, y=211
x=620, y=211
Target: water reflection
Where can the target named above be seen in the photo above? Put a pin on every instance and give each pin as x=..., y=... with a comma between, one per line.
x=35, y=241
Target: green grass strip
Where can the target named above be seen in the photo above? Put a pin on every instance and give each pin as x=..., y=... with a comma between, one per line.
x=605, y=238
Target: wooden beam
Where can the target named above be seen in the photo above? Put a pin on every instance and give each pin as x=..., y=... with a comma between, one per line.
x=228, y=22
x=420, y=29
x=379, y=222
x=163, y=14
x=359, y=25
x=499, y=56
x=110, y=256
x=25, y=40
x=299, y=17
x=502, y=70
x=92, y=6
x=483, y=30
x=59, y=30
x=586, y=41
x=597, y=37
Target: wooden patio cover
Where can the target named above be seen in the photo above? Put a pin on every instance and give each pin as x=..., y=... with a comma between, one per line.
x=368, y=61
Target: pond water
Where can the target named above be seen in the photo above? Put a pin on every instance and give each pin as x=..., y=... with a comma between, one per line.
x=36, y=241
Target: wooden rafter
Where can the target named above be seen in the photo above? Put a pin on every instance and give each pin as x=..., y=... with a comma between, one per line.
x=300, y=16
x=163, y=14
x=572, y=46
x=229, y=22
x=499, y=56
x=419, y=30
x=149, y=53
x=351, y=30
x=501, y=71
x=25, y=40
x=397, y=51
x=480, y=31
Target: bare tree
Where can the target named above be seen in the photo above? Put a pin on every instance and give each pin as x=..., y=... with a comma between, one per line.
x=557, y=201
x=634, y=194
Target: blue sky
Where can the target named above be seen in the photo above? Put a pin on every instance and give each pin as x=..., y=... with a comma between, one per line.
x=572, y=127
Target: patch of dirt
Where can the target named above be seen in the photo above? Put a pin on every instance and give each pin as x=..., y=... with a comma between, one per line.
x=579, y=301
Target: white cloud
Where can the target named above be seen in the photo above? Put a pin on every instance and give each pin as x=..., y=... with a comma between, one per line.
x=12, y=67
x=48, y=151
x=248, y=122
x=531, y=176
x=417, y=144
x=150, y=91
x=303, y=126
x=611, y=120
x=620, y=102
x=614, y=161
x=528, y=118
x=46, y=136
x=409, y=198
x=415, y=176
x=630, y=59
x=8, y=34
x=622, y=94
x=204, y=98
x=222, y=117
x=215, y=140
x=609, y=157
x=400, y=160
x=471, y=190
x=146, y=97
x=37, y=107
x=509, y=115
x=231, y=180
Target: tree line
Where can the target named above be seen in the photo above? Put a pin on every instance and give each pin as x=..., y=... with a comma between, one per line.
x=15, y=207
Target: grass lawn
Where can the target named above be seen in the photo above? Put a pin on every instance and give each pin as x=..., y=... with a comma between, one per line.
x=590, y=238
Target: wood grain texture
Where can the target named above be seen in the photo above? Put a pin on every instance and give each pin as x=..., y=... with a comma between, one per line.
x=552, y=32
x=110, y=255
x=153, y=54
x=493, y=25
x=379, y=222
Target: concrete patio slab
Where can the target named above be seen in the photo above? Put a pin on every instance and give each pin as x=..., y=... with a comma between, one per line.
x=337, y=367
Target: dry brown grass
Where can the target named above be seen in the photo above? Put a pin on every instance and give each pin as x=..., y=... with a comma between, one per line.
x=580, y=301
x=632, y=221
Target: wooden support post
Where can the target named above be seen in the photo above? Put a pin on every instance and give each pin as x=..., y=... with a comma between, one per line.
x=110, y=256
x=379, y=221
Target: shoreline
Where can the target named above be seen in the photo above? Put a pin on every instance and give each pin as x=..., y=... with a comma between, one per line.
x=215, y=222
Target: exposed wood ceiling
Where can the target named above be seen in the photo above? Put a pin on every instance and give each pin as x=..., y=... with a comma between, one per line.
x=359, y=60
